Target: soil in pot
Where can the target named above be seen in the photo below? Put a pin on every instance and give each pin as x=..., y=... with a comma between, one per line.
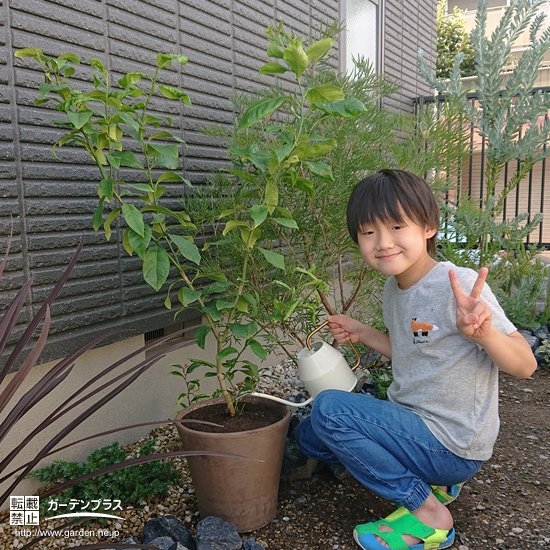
x=251, y=415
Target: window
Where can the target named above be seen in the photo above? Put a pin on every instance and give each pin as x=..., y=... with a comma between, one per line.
x=362, y=32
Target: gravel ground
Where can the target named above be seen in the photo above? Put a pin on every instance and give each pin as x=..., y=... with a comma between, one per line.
x=506, y=506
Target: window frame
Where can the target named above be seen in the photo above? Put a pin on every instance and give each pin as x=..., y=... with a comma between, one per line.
x=379, y=53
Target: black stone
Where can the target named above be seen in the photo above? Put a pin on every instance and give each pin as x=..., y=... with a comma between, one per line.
x=168, y=526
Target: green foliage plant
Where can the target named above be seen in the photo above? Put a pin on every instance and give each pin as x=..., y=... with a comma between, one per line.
x=452, y=38
x=323, y=273
x=510, y=119
x=213, y=261
x=131, y=486
x=543, y=352
x=521, y=287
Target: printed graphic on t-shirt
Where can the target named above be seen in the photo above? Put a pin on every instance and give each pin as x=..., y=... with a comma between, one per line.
x=421, y=330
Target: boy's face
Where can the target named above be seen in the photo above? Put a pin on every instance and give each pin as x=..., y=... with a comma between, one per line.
x=397, y=248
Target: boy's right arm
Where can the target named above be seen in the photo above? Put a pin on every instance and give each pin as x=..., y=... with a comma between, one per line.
x=345, y=329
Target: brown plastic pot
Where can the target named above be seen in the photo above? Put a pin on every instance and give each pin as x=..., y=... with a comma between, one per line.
x=243, y=491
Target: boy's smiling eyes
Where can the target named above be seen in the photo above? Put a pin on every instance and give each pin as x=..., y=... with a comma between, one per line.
x=392, y=226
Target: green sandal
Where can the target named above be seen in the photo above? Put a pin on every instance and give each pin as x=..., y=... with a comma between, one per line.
x=402, y=522
x=446, y=497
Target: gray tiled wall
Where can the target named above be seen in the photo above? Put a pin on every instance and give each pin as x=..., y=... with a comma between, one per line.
x=51, y=200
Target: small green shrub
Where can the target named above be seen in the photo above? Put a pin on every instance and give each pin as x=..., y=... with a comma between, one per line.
x=191, y=386
x=130, y=486
x=543, y=352
x=382, y=378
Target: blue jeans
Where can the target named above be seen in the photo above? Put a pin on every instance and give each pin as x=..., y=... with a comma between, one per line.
x=386, y=447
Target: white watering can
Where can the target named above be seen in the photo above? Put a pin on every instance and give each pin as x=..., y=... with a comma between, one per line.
x=321, y=367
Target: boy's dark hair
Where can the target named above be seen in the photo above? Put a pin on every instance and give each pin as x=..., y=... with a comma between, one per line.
x=388, y=196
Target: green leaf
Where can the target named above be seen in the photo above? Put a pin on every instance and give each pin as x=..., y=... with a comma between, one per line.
x=134, y=218
x=165, y=154
x=260, y=110
x=142, y=188
x=242, y=305
x=165, y=134
x=223, y=304
x=218, y=287
x=130, y=79
x=172, y=177
x=250, y=298
x=285, y=149
x=271, y=195
x=138, y=243
x=320, y=168
x=172, y=92
x=79, y=119
x=113, y=215
x=286, y=222
x=98, y=215
x=305, y=185
x=348, y=108
x=156, y=266
x=99, y=157
x=296, y=57
x=243, y=330
x=188, y=296
x=226, y=352
x=130, y=120
x=35, y=53
x=187, y=248
x=273, y=50
x=272, y=68
x=105, y=189
x=165, y=59
x=125, y=158
x=274, y=258
x=324, y=94
x=257, y=349
x=258, y=213
x=232, y=224
x=318, y=49
x=213, y=312
x=249, y=237
x=315, y=149
x=200, y=335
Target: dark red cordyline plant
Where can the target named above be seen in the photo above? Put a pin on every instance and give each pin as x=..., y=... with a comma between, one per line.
x=26, y=352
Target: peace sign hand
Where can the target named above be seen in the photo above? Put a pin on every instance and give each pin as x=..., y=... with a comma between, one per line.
x=473, y=316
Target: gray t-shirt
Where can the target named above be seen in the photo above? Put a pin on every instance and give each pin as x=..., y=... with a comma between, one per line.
x=446, y=379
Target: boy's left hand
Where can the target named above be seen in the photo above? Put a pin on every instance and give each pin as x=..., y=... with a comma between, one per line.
x=473, y=316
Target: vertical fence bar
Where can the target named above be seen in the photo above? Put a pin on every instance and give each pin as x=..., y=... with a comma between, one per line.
x=529, y=200
x=542, y=182
x=471, y=159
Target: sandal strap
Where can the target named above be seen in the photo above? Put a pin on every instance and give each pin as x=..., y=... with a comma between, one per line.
x=405, y=524
x=446, y=497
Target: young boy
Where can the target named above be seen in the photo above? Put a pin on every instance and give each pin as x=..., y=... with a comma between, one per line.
x=447, y=338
